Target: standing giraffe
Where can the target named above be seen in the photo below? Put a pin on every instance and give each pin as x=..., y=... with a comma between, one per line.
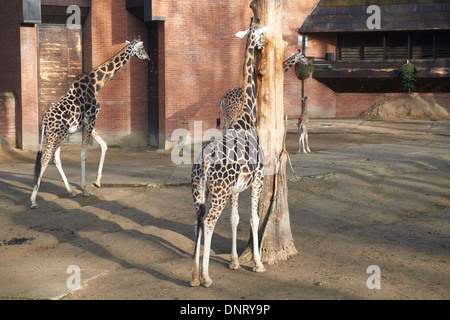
x=79, y=109
x=302, y=125
x=228, y=166
x=231, y=101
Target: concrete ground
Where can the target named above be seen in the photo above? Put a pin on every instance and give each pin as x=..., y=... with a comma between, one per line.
x=370, y=193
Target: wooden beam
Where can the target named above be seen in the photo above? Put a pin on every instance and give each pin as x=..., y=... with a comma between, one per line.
x=275, y=232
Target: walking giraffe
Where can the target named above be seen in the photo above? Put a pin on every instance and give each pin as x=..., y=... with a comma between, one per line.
x=79, y=109
x=302, y=126
x=231, y=101
x=228, y=166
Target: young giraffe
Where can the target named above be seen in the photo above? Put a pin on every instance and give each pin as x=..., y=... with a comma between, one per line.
x=228, y=166
x=302, y=125
x=231, y=101
x=79, y=109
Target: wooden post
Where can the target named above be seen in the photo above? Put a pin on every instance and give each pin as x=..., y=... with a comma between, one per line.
x=275, y=232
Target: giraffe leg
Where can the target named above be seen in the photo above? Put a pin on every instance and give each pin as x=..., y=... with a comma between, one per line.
x=234, y=264
x=254, y=223
x=57, y=162
x=104, y=147
x=196, y=273
x=43, y=162
x=36, y=187
x=302, y=138
x=84, y=146
x=217, y=205
x=299, y=140
x=200, y=195
x=306, y=140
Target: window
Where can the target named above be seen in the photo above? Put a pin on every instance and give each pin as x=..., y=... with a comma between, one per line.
x=393, y=45
x=361, y=46
x=422, y=45
x=397, y=46
x=443, y=44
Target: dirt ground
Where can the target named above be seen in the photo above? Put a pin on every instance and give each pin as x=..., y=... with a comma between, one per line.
x=364, y=199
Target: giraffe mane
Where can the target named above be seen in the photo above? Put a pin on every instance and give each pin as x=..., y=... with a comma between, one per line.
x=111, y=58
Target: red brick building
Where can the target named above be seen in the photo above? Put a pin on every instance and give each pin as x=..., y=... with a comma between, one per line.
x=195, y=59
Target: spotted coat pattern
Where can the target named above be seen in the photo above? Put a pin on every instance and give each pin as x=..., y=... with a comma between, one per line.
x=302, y=126
x=231, y=101
x=78, y=110
x=226, y=167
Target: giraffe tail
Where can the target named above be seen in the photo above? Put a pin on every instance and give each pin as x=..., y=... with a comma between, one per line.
x=221, y=106
x=37, y=165
x=199, y=224
x=200, y=218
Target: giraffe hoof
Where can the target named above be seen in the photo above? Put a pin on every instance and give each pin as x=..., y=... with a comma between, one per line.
x=234, y=265
x=73, y=195
x=195, y=283
x=97, y=184
x=34, y=206
x=207, y=283
x=86, y=194
x=259, y=268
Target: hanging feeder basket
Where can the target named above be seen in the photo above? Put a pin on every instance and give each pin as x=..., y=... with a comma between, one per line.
x=303, y=71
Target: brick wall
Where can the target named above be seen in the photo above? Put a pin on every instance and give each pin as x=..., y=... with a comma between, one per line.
x=8, y=118
x=123, y=100
x=10, y=71
x=203, y=59
x=10, y=46
x=28, y=133
x=199, y=59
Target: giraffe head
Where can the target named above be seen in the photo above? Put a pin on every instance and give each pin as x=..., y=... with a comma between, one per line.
x=305, y=102
x=299, y=57
x=137, y=49
x=256, y=33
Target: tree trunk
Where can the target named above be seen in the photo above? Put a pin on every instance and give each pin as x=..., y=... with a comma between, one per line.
x=275, y=231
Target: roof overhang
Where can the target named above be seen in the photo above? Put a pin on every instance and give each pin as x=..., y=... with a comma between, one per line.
x=52, y=11
x=397, y=15
x=142, y=9
x=382, y=76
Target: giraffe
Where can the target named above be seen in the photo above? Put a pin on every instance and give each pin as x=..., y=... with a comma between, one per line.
x=228, y=166
x=78, y=110
x=232, y=100
x=302, y=125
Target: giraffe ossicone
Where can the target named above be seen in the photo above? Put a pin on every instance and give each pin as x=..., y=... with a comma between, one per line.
x=78, y=110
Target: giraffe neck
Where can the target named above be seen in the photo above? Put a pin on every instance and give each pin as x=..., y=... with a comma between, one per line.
x=288, y=63
x=304, y=113
x=248, y=113
x=97, y=77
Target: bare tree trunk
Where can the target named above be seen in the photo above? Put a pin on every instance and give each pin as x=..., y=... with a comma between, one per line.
x=275, y=231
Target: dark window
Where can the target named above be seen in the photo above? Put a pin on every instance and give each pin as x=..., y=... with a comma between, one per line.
x=394, y=45
x=397, y=46
x=361, y=46
x=422, y=45
x=351, y=47
x=373, y=46
x=443, y=44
